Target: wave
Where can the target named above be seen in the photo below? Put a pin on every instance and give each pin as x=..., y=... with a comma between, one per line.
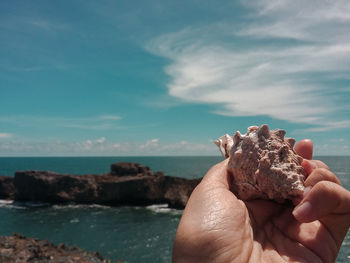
x=156, y=208
x=22, y=205
x=6, y=202
x=163, y=208
x=79, y=206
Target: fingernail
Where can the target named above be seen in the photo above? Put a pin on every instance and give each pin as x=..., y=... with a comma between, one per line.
x=306, y=190
x=302, y=211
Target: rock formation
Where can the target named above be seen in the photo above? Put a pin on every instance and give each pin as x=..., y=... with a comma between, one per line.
x=263, y=164
x=126, y=184
x=7, y=188
x=21, y=249
x=125, y=169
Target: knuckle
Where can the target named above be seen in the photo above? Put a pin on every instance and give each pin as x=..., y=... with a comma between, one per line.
x=325, y=187
x=321, y=164
x=323, y=170
x=327, y=191
x=323, y=174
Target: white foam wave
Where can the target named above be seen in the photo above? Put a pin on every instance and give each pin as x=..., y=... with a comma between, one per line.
x=6, y=202
x=79, y=206
x=157, y=208
x=21, y=205
x=74, y=220
x=163, y=208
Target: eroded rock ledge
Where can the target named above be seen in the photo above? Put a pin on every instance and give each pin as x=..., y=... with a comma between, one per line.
x=125, y=184
x=21, y=249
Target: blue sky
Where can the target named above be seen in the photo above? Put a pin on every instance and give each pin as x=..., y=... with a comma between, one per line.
x=168, y=77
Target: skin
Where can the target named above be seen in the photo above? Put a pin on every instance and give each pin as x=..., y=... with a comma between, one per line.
x=218, y=227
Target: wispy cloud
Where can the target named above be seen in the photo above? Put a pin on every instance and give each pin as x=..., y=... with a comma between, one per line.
x=47, y=25
x=47, y=67
x=33, y=34
x=110, y=117
x=286, y=53
x=321, y=21
x=5, y=135
x=331, y=125
x=102, y=122
x=24, y=23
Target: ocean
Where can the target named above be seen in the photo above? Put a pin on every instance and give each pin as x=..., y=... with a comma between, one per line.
x=133, y=234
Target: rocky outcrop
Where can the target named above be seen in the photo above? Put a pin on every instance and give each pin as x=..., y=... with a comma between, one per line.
x=126, y=184
x=52, y=187
x=7, y=188
x=125, y=169
x=21, y=249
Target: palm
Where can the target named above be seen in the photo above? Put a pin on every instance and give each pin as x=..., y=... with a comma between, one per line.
x=278, y=237
x=256, y=231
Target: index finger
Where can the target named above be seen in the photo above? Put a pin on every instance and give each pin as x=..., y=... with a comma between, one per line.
x=304, y=148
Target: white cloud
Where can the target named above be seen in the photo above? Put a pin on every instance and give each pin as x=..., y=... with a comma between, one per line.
x=150, y=144
x=101, y=146
x=153, y=147
x=101, y=140
x=263, y=77
x=331, y=125
x=314, y=20
x=5, y=135
x=332, y=147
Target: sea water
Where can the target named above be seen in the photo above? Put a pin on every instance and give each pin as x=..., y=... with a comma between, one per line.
x=133, y=234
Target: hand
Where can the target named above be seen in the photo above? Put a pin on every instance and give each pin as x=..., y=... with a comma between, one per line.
x=218, y=227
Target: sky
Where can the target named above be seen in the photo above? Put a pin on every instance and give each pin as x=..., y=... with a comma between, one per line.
x=160, y=77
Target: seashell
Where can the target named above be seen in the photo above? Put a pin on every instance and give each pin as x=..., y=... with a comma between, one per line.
x=225, y=143
x=264, y=164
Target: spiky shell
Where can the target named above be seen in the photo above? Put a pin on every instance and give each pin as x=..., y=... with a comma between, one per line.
x=263, y=163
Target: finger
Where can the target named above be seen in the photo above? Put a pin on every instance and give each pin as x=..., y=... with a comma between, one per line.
x=304, y=148
x=310, y=165
x=324, y=199
x=328, y=203
x=321, y=174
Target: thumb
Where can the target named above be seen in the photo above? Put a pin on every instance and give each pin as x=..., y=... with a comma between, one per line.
x=218, y=176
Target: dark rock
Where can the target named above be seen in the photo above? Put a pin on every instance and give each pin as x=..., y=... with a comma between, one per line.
x=21, y=249
x=177, y=190
x=7, y=188
x=146, y=190
x=137, y=185
x=61, y=246
x=124, y=168
x=54, y=188
x=159, y=173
